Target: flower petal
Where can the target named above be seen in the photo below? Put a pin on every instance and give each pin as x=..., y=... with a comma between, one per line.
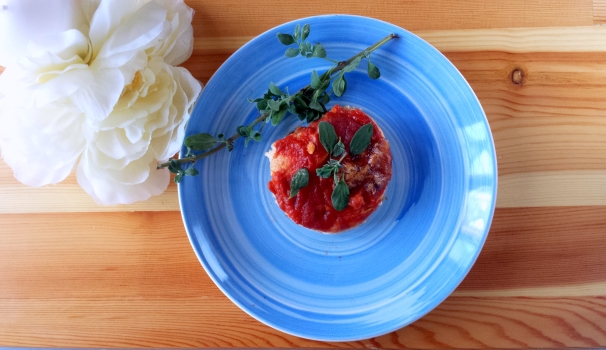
x=41, y=145
x=135, y=32
x=107, y=192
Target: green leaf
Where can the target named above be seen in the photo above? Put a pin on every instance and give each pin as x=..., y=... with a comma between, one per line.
x=326, y=171
x=262, y=105
x=300, y=105
x=255, y=135
x=315, y=105
x=297, y=33
x=339, y=85
x=318, y=51
x=277, y=116
x=274, y=105
x=291, y=52
x=352, y=65
x=339, y=149
x=325, y=98
x=285, y=39
x=328, y=136
x=178, y=178
x=244, y=130
x=361, y=140
x=200, y=142
x=312, y=115
x=191, y=171
x=298, y=181
x=373, y=71
x=275, y=89
x=340, y=196
x=315, y=80
x=305, y=32
x=292, y=109
x=174, y=166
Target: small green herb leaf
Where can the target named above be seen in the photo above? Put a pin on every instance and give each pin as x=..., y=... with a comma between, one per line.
x=325, y=171
x=255, y=135
x=244, y=130
x=277, y=116
x=285, y=39
x=262, y=105
x=275, y=89
x=314, y=104
x=339, y=149
x=340, y=195
x=315, y=80
x=300, y=105
x=328, y=136
x=174, y=166
x=325, y=98
x=297, y=33
x=373, y=71
x=291, y=52
x=361, y=140
x=305, y=32
x=298, y=181
x=178, y=178
x=200, y=142
x=353, y=64
x=191, y=171
x=339, y=85
x=318, y=51
x=274, y=105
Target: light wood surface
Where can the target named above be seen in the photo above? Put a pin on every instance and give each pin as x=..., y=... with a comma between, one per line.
x=75, y=274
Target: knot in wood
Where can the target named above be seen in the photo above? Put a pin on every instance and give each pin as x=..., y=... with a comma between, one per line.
x=517, y=76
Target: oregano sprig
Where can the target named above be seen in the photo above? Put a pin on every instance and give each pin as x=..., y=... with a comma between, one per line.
x=308, y=103
x=328, y=138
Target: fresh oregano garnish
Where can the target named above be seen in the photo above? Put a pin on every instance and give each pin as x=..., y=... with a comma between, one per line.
x=298, y=181
x=328, y=136
x=340, y=195
x=308, y=104
x=328, y=139
x=361, y=140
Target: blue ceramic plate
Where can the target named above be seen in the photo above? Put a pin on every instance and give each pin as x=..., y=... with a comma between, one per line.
x=410, y=254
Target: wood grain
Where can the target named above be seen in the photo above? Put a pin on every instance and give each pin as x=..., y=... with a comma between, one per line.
x=599, y=12
x=132, y=280
x=459, y=322
x=234, y=18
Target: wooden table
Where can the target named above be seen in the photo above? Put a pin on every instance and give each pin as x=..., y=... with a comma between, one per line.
x=74, y=274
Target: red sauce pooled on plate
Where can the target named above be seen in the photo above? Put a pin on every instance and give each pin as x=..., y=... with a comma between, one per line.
x=366, y=174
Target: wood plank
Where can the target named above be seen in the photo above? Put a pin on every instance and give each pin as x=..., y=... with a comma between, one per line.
x=599, y=12
x=552, y=188
x=513, y=40
x=542, y=247
x=459, y=322
x=148, y=255
x=254, y=18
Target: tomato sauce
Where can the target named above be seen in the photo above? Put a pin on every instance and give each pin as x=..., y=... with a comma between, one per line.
x=366, y=174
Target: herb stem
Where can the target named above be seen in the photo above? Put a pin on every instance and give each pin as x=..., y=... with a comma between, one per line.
x=335, y=69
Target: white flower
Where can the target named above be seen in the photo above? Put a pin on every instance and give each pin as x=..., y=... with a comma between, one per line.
x=108, y=98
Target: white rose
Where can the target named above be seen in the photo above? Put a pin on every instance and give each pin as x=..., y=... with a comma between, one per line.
x=108, y=98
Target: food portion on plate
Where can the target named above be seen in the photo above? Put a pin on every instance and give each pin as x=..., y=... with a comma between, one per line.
x=331, y=175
